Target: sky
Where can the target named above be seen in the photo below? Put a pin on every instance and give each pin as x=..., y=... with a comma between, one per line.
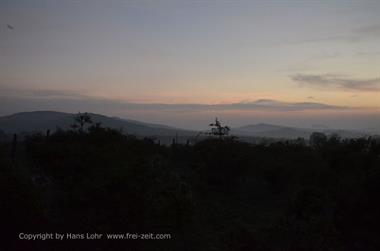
x=309, y=63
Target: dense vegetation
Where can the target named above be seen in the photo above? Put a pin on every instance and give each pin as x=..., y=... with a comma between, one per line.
x=216, y=194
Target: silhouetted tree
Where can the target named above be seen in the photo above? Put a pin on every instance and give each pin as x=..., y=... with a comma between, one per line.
x=80, y=121
x=219, y=130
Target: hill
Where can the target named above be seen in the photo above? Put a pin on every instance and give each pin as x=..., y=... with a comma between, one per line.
x=277, y=131
x=40, y=121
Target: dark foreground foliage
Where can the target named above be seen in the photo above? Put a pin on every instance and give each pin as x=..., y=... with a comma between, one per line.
x=218, y=194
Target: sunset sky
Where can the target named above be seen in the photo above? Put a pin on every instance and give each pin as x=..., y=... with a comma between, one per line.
x=181, y=63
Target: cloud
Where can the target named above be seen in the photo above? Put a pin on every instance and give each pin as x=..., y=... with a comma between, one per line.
x=369, y=30
x=39, y=93
x=275, y=105
x=368, y=53
x=193, y=116
x=363, y=33
x=336, y=81
x=70, y=102
x=56, y=93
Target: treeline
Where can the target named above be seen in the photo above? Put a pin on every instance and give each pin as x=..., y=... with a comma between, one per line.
x=216, y=194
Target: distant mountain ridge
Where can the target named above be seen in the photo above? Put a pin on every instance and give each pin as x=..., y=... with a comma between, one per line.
x=276, y=131
x=41, y=121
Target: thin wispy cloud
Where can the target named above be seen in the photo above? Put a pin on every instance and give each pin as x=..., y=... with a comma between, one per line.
x=190, y=116
x=359, y=34
x=368, y=53
x=40, y=93
x=323, y=56
x=336, y=81
x=269, y=104
x=53, y=99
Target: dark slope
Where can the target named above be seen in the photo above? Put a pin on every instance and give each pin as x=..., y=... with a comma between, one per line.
x=41, y=121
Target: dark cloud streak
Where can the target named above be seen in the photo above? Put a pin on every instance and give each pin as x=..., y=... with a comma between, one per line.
x=190, y=116
x=334, y=81
x=363, y=33
x=67, y=101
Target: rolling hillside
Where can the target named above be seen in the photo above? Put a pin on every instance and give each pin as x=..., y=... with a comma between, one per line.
x=41, y=121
